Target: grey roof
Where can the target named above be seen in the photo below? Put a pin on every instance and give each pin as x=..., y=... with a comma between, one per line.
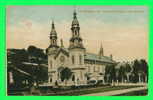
x=94, y=57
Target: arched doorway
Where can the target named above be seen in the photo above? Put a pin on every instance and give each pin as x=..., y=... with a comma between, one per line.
x=59, y=72
x=66, y=75
x=73, y=78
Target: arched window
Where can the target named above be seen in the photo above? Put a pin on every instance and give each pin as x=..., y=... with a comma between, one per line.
x=50, y=64
x=94, y=68
x=53, y=41
x=99, y=68
x=50, y=79
x=75, y=32
x=80, y=59
x=73, y=60
x=88, y=68
x=81, y=74
x=73, y=78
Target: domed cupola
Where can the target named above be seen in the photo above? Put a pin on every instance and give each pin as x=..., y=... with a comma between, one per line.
x=75, y=21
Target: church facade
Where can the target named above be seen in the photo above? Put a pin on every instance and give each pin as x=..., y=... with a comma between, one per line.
x=83, y=65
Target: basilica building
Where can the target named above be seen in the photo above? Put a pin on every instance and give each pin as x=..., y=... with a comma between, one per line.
x=83, y=65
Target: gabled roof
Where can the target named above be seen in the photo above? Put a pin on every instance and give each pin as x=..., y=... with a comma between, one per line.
x=63, y=50
x=94, y=57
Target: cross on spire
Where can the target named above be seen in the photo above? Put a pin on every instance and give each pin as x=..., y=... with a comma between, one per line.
x=74, y=14
x=53, y=24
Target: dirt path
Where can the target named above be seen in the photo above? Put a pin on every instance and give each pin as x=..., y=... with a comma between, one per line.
x=116, y=92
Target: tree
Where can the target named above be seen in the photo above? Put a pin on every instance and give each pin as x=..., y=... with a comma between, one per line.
x=127, y=70
x=136, y=71
x=107, y=73
x=32, y=50
x=40, y=74
x=15, y=58
x=65, y=74
x=18, y=56
x=144, y=69
x=110, y=73
x=122, y=73
x=36, y=54
x=140, y=70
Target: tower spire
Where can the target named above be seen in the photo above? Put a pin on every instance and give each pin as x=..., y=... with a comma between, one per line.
x=53, y=31
x=53, y=35
x=62, y=45
x=101, y=52
x=74, y=14
x=53, y=24
x=75, y=21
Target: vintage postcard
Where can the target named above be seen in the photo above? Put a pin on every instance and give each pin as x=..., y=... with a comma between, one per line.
x=77, y=50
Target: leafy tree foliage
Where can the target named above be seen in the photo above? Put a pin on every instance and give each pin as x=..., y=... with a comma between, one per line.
x=131, y=72
x=122, y=73
x=140, y=70
x=16, y=59
x=36, y=55
x=110, y=73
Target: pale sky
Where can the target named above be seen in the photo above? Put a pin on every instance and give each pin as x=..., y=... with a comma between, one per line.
x=122, y=30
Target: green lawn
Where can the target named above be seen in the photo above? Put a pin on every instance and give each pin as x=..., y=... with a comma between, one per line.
x=89, y=91
x=79, y=91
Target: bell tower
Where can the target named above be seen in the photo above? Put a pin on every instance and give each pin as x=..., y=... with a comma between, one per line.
x=51, y=52
x=77, y=51
x=76, y=40
x=52, y=49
